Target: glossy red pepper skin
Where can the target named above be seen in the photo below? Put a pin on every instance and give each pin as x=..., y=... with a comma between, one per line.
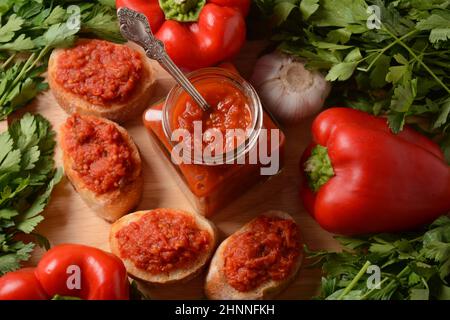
x=102, y=276
x=218, y=34
x=383, y=182
x=21, y=285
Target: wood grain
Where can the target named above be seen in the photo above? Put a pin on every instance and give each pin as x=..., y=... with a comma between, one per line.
x=68, y=219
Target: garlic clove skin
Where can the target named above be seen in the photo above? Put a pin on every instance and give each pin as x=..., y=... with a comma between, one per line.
x=268, y=67
x=272, y=90
x=287, y=89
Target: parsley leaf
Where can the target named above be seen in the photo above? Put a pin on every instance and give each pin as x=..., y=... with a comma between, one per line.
x=11, y=259
x=36, y=27
x=392, y=55
x=341, y=71
x=413, y=266
x=7, y=31
x=282, y=11
x=308, y=7
x=27, y=178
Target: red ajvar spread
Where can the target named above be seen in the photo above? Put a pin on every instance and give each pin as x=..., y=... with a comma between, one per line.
x=267, y=251
x=99, y=71
x=204, y=181
x=100, y=155
x=229, y=110
x=162, y=241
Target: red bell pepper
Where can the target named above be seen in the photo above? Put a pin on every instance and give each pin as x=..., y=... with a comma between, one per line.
x=360, y=178
x=21, y=285
x=69, y=270
x=196, y=33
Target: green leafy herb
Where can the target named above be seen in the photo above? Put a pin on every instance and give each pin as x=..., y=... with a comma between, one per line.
x=36, y=27
x=135, y=293
x=393, y=55
x=27, y=178
x=413, y=266
x=58, y=297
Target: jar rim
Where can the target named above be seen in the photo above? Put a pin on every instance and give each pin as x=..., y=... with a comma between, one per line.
x=232, y=156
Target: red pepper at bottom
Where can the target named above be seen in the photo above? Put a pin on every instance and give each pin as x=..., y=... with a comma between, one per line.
x=69, y=270
x=360, y=178
x=21, y=285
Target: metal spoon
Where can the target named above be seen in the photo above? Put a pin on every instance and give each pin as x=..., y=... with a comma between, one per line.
x=134, y=26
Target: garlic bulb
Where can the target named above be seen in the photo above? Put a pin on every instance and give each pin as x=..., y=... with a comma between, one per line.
x=287, y=89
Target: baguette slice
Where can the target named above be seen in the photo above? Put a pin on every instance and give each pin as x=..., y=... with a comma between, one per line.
x=112, y=205
x=217, y=287
x=175, y=276
x=119, y=111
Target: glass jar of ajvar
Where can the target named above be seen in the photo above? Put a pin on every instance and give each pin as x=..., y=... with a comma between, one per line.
x=220, y=153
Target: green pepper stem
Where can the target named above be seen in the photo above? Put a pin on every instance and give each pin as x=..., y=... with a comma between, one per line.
x=182, y=10
x=318, y=168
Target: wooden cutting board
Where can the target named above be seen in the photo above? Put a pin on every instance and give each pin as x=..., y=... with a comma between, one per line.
x=68, y=219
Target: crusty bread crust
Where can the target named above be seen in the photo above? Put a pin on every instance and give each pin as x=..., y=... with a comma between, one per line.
x=112, y=205
x=217, y=287
x=118, y=112
x=175, y=276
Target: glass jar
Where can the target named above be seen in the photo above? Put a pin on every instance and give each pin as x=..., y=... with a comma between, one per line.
x=212, y=181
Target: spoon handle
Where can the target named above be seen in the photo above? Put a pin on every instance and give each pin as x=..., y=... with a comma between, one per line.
x=184, y=82
x=134, y=26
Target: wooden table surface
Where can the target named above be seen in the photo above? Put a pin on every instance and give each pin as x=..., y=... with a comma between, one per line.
x=68, y=219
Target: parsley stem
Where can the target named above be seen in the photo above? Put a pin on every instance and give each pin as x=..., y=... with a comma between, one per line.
x=406, y=269
x=364, y=59
x=355, y=280
x=8, y=61
x=382, y=51
x=425, y=66
x=27, y=67
x=17, y=79
x=41, y=54
x=439, y=63
x=399, y=275
x=364, y=297
x=367, y=294
x=437, y=53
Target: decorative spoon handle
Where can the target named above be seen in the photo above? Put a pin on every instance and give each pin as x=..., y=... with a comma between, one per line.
x=134, y=26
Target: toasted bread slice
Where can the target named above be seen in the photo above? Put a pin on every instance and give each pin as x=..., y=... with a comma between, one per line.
x=176, y=275
x=111, y=205
x=117, y=111
x=217, y=287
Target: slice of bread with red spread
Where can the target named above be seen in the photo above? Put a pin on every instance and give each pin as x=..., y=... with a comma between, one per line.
x=103, y=164
x=100, y=78
x=256, y=262
x=163, y=246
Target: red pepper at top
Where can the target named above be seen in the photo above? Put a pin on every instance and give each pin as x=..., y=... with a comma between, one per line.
x=196, y=33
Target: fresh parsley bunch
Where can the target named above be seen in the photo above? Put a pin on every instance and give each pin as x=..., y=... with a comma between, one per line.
x=30, y=29
x=414, y=266
x=394, y=56
x=27, y=178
